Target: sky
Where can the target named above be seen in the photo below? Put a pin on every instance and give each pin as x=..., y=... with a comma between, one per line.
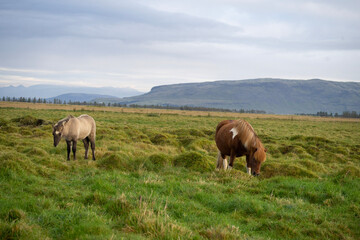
x=145, y=43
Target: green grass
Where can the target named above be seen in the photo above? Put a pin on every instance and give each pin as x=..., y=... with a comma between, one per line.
x=155, y=178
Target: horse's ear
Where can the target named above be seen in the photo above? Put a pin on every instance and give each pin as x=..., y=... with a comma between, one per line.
x=265, y=150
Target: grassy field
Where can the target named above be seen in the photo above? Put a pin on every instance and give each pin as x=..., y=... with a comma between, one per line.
x=155, y=178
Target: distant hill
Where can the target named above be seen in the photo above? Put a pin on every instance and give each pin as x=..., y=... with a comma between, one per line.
x=83, y=97
x=278, y=96
x=48, y=91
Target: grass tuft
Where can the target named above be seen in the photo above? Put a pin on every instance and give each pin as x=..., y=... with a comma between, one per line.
x=15, y=215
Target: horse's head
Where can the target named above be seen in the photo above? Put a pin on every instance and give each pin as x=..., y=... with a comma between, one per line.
x=258, y=158
x=57, y=132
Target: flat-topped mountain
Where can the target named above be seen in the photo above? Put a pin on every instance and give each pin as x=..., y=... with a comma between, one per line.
x=278, y=96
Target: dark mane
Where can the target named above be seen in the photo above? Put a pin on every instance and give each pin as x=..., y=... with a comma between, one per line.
x=64, y=120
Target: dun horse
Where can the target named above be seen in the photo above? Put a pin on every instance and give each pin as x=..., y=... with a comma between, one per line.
x=74, y=128
x=238, y=138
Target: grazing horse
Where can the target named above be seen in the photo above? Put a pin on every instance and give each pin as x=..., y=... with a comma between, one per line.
x=74, y=128
x=236, y=138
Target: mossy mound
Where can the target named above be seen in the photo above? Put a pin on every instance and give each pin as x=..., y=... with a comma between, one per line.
x=185, y=141
x=159, y=159
x=293, y=151
x=16, y=162
x=3, y=122
x=35, y=152
x=136, y=135
x=349, y=171
x=194, y=161
x=189, y=132
x=203, y=144
x=163, y=139
x=112, y=161
x=29, y=121
x=313, y=165
x=272, y=169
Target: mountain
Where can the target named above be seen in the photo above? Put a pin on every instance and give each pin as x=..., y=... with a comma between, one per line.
x=278, y=96
x=83, y=97
x=47, y=91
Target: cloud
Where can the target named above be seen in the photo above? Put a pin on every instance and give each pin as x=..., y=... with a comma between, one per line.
x=143, y=43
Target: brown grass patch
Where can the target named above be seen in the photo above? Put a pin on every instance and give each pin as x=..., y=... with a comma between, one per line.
x=230, y=115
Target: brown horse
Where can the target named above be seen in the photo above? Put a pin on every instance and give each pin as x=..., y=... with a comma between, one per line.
x=74, y=128
x=236, y=138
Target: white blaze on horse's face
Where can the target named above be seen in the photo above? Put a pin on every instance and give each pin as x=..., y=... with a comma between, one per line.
x=234, y=132
x=57, y=135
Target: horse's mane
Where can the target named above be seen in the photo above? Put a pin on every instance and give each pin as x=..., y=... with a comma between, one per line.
x=247, y=134
x=64, y=120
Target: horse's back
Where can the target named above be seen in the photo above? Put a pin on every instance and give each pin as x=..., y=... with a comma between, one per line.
x=85, y=126
x=86, y=120
x=222, y=123
x=230, y=132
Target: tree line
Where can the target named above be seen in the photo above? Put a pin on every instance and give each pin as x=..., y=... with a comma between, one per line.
x=94, y=103
x=344, y=114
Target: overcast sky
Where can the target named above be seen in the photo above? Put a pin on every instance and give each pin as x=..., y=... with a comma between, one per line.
x=144, y=43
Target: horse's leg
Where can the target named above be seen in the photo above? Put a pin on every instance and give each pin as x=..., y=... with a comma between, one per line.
x=74, y=149
x=232, y=158
x=219, y=161
x=68, y=143
x=86, y=145
x=225, y=163
x=222, y=162
x=92, y=141
x=248, y=166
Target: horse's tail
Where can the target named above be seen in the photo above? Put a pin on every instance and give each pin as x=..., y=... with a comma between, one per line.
x=221, y=162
